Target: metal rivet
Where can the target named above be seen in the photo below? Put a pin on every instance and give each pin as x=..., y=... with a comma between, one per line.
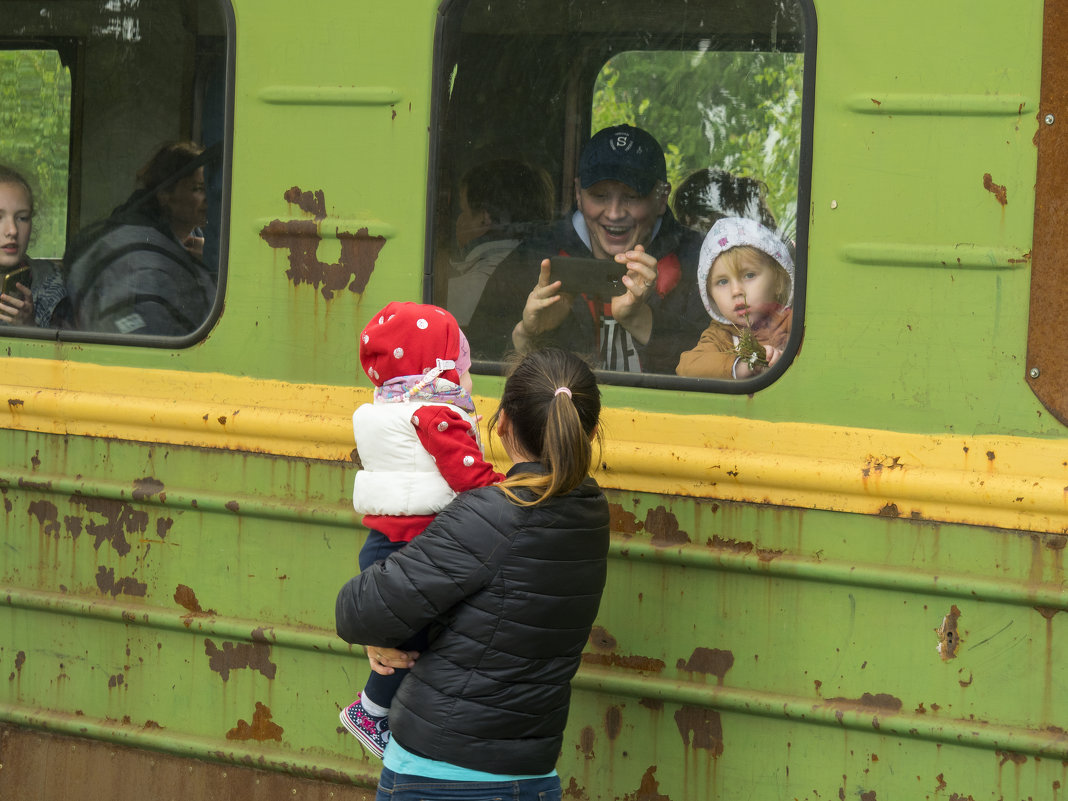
x=1034, y=372
x=1049, y=119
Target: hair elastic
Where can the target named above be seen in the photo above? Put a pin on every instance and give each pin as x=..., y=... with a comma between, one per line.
x=565, y=390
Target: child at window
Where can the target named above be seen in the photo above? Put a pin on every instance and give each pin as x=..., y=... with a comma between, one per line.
x=745, y=276
x=418, y=444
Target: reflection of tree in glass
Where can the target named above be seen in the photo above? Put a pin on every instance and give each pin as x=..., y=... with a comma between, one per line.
x=737, y=111
x=35, y=121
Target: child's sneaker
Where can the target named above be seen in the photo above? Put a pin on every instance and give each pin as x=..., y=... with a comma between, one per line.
x=370, y=730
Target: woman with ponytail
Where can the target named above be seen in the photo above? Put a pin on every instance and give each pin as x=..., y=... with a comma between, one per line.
x=509, y=580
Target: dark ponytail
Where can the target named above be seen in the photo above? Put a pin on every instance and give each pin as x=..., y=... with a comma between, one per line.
x=553, y=405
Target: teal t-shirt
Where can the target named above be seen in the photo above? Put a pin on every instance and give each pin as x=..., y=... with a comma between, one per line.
x=400, y=761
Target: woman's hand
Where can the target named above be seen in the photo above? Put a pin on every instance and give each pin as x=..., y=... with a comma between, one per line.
x=630, y=308
x=543, y=310
x=18, y=311
x=387, y=660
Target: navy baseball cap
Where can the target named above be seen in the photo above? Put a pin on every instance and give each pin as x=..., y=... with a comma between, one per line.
x=623, y=153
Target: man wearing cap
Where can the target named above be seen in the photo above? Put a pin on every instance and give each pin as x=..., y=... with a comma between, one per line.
x=622, y=214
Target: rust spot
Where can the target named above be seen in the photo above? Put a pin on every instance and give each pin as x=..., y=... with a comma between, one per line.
x=574, y=791
x=151, y=724
x=147, y=487
x=163, y=526
x=262, y=728
x=968, y=683
x=623, y=521
x=654, y=704
x=127, y=585
x=1055, y=542
x=587, y=737
x=116, y=681
x=47, y=517
x=648, y=789
x=222, y=419
x=818, y=685
x=890, y=510
x=700, y=728
x=359, y=251
x=876, y=102
x=948, y=638
x=39, y=486
x=664, y=527
x=767, y=554
x=990, y=455
x=1010, y=756
x=941, y=782
x=613, y=722
x=734, y=546
x=868, y=796
x=996, y=189
x=120, y=519
x=186, y=598
x=883, y=701
x=233, y=506
x=709, y=660
x=259, y=634
x=35, y=461
x=600, y=638
x=642, y=663
x=237, y=656
x=15, y=403
x=1047, y=611
x=313, y=203
x=20, y=660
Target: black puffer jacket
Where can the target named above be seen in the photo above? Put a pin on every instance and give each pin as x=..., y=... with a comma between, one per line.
x=511, y=593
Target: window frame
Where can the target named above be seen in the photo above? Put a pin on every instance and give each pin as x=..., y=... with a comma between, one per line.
x=75, y=48
x=579, y=115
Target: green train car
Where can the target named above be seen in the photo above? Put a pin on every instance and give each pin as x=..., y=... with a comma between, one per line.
x=843, y=578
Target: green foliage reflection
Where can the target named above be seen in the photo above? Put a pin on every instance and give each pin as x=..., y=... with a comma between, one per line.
x=738, y=111
x=35, y=137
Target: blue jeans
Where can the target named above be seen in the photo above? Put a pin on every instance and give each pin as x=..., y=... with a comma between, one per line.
x=401, y=787
x=379, y=688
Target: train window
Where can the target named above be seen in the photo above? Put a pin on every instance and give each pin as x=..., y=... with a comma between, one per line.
x=115, y=113
x=567, y=135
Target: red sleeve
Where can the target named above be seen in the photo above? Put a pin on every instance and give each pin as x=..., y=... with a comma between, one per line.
x=451, y=441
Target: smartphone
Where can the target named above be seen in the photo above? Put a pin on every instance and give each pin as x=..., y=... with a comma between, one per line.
x=20, y=275
x=598, y=277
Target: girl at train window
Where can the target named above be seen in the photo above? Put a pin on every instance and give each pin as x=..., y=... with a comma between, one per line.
x=745, y=277
x=33, y=289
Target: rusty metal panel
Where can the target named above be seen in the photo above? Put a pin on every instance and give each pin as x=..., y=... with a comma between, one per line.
x=49, y=767
x=1047, y=345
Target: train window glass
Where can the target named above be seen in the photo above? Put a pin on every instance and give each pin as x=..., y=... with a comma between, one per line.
x=121, y=127
x=567, y=133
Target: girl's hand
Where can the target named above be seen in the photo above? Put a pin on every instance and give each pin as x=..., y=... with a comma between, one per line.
x=386, y=660
x=18, y=311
